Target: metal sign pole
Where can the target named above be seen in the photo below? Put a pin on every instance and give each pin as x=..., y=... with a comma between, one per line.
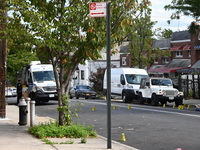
x=109, y=144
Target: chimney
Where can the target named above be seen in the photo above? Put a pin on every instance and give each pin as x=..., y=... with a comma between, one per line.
x=194, y=42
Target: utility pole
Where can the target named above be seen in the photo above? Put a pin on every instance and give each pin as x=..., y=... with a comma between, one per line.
x=3, y=56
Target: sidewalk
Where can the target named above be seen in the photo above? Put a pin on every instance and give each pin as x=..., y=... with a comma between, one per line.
x=15, y=137
x=191, y=102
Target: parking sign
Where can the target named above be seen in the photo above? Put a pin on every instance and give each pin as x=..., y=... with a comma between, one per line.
x=98, y=9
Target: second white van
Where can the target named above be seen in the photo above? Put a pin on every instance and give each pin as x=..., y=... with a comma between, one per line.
x=125, y=82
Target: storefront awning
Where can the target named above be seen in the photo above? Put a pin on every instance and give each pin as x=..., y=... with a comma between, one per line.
x=175, y=48
x=187, y=47
x=165, y=69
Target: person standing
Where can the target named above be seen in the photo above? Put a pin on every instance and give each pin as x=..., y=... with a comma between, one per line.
x=19, y=91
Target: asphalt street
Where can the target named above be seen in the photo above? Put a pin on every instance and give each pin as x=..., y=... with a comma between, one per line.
x=145, y=127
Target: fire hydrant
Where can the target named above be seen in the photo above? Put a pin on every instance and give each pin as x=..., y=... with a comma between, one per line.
x=22, y=112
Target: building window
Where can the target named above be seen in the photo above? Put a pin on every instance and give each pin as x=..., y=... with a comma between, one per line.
x=123, y=61
x=82, y=75
x=179, y=53
x=189, y=53
x=165, y=60
x=156, y=60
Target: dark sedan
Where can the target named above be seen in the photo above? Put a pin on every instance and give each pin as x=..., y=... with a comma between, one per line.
x=82, y=91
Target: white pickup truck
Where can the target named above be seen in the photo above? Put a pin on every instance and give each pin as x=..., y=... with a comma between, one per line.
x=158, y=90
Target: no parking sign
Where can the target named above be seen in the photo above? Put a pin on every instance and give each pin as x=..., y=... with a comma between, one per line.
x=98, y=9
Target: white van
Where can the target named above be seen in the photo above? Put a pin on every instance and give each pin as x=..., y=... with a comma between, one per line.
x=40, y=80
x=125, y=82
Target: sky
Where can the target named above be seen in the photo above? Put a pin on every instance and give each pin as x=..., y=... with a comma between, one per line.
x=159, y=14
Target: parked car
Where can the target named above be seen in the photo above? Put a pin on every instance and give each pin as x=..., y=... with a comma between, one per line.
x=14, y=91
x=155, y=90
x=84, y=91
x=8, y=92
x=11, y=91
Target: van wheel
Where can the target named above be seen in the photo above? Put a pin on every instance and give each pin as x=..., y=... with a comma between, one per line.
x=70, y=96
x=163, y=102
x=124, y=98
x=178, y=102
x=154, y=100
x=140, y=98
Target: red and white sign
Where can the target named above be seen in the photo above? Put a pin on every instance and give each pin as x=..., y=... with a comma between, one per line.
x=98, y=9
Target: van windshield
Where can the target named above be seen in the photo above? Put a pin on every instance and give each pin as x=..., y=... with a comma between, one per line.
x=43, y=76
x=134, y=78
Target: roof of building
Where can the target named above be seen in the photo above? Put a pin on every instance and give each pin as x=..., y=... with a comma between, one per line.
x=196, y=65
x=162, y=44
x=181, y=35
x=172, y=66
x=179, y=63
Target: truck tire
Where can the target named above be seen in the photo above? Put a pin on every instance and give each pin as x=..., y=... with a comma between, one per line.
x=70, y=96
x=178, y=102
x=140, y=99
x=154, y=100
x=125, y=98
x=163, y=102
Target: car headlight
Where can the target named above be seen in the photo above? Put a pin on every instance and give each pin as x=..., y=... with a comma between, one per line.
x=38, y=88
x=180, y=93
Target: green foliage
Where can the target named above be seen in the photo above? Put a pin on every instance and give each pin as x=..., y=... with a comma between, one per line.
x=47, y=141
x=163, y=34
x=62, y=32
x=53, y=130
x=67, y=142
x=193, y=27
x=83, y=140
x=184, y=8
x=15, y=63
x=141, y=36
x=97, y=81
x=67, y=110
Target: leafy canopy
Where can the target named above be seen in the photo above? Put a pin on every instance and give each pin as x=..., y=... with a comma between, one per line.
x=184, y=7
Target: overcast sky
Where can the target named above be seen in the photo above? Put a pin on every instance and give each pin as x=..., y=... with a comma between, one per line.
x=159, y=14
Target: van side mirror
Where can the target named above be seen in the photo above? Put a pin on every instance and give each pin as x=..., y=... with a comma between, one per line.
x=122, y=79
x=123, y=82
x=29, y=80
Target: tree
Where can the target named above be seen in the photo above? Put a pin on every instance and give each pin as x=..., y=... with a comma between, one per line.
x=61, y=31
x=96, y=78
x=3, y=57
x=141, y=37
x=163, y=34
x=186, y=8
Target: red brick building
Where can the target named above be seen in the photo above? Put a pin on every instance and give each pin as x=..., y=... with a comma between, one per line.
x=185, y=53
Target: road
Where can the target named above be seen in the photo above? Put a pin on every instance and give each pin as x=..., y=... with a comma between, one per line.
x=145, y=127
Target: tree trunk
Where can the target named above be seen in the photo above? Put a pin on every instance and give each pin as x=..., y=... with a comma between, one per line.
x=3, y=46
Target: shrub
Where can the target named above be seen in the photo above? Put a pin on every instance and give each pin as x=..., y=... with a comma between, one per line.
x=54, y=130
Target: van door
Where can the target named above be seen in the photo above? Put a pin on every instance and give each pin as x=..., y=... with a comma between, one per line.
x=122, y=84
x=147, y=89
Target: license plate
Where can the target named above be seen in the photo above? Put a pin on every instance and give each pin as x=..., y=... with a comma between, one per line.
x=51, y=95
x=88, y=94
x=171, y=98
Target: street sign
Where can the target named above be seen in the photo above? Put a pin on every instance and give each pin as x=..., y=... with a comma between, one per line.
x=102, y=9
x=98, y=9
